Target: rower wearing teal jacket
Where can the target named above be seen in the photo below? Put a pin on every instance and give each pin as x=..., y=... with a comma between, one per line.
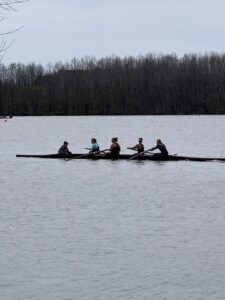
x=94, y=147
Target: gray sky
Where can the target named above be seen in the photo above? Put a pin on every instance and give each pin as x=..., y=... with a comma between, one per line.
x=57, y=30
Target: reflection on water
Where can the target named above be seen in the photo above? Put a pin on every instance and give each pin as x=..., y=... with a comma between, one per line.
x=112, y=229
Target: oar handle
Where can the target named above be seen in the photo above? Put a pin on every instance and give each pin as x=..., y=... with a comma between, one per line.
x=150, y=152
x=100, y=151
x=141, y=153
x=90, y=154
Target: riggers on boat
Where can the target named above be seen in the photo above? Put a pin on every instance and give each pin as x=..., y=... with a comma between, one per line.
x=154, y=157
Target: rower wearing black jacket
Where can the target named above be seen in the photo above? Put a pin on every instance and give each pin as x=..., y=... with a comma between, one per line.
x=161, y=147
x=63, y=150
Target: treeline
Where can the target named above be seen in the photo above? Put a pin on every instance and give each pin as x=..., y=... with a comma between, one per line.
x=163, y=84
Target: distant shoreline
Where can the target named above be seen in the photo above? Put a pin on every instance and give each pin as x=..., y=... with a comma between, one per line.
x=119, y=115
x=148, y=85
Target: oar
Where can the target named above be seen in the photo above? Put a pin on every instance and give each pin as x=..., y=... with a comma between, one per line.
x=96, y=152
x=100, y=151
x=136, y=155
x=79, y=156
x=83, y=155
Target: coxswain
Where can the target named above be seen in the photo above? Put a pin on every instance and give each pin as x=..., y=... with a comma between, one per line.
x=161, y=147
x=94, y=146
x=63, y=150
x=115, y=148
x=139, y=147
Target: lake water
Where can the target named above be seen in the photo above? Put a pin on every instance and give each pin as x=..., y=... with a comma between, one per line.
x=83, y=229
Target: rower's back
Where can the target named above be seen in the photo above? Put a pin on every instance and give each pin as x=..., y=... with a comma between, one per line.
x=115, y=148
x=162, y=148
x=140, y=146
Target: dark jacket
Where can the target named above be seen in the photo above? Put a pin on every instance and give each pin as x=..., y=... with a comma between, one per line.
x=162, y=149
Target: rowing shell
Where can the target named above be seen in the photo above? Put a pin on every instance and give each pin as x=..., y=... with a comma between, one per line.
x=154, y=157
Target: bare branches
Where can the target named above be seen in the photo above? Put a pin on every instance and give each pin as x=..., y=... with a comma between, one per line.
x=13, y=31
x=6, y=7
x=9, y=5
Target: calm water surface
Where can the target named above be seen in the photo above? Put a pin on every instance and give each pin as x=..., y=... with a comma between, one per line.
x=112, y=229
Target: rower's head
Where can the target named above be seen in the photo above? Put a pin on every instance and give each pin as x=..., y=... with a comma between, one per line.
x=114, y=139
x=140, y=140
x=158, y=142
x=93, y=141
x=65, y=143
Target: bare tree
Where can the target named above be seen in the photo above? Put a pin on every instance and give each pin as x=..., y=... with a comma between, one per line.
x=6, y=8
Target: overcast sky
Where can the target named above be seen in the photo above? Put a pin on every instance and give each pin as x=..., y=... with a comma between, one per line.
x=57, y=30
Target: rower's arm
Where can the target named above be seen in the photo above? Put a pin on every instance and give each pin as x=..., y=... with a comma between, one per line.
x=133, y=148
x=153, y=148
x=112, y=147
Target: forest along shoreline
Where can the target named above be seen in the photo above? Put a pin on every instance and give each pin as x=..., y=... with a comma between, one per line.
x=145, y=85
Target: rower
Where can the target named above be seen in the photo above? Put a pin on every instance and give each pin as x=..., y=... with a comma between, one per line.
x=63, y=150
x=161, y=147
x=115, y=148
x=94, y=147
x=139, y=147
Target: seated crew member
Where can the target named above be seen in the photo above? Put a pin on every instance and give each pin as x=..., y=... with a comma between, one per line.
x=161, y=147
x=139, y=147
x=115, y=147
x=94, y=147
x=63, y=150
